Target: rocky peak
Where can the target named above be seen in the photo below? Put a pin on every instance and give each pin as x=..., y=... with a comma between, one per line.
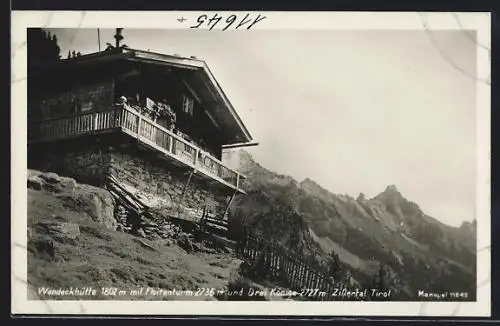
x=239, y=160
x=245, y=156
x=314, y=189
x=361, y=197
x=391, y=193
x=391, y=189
x=308, y=182
x=469, y=225
x=311, y=186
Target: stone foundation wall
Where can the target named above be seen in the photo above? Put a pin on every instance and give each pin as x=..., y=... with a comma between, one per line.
x=157, y=182
x=86, y=162
x=161, y=184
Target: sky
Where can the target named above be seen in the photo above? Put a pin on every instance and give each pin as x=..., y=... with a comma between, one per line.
x=354, y=111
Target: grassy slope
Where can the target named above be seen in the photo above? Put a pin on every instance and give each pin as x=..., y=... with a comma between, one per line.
x=101, y=257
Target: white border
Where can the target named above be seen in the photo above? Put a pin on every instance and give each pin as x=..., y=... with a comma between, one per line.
x=275, y=20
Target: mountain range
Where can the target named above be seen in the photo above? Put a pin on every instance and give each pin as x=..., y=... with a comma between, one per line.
x=418, y=252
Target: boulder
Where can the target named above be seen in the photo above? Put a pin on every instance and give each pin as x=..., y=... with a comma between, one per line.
x=65, y=185
x=35, y=182
x=50, y=181
x=33, y=173
x=50, y=177
x=98, y=204
x=185, y=243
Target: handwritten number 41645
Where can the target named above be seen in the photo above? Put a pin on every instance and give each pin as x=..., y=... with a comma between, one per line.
x=232, y=20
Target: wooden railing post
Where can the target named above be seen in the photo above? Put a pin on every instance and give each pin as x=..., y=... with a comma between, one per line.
x=153, y=133
x=121, y=114
x=114, y=117
x=196, y=153
x=139, y=122
x=171, y=144
x=237, y=180
x=94, y=120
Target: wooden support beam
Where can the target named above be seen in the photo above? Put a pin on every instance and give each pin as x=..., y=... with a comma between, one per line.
x=191, y=90
x=229, y=204
x=185, y=188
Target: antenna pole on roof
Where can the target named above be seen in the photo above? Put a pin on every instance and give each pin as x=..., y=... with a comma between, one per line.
x=99, y=39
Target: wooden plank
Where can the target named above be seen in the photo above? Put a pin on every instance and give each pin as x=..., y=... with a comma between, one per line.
x=278, y=261
x=303, y=275
x=275, y=264
x=127, y=202
x=292, y=272
x=114, y=181
x=267, y=257
x=308, y=277
x=300, y=275
x=122, y=202
x=281, y=263
x=275, y=260
x=322, y=286
x=288, y=268
x=258, y=249
x=313, y=279
x=298, y=267
x=222, y=223
x=269, y=254
x=291, y=268
x=253, y=252
x=312, y=274
x=321, y=281
x=252, y=248
x=249, y=247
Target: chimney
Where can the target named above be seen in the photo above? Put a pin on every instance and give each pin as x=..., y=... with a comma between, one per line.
x=118, y=37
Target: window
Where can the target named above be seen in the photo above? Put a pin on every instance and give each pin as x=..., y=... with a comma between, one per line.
x=187, y=105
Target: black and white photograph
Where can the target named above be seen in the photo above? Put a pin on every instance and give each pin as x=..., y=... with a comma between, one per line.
x=226, y=159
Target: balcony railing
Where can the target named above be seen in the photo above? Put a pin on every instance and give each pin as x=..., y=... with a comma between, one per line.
x=142, y=128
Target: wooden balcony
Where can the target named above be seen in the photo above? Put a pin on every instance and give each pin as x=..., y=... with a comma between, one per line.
x=145, y=131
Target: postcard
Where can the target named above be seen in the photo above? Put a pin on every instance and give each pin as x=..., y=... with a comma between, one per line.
x=251, y=163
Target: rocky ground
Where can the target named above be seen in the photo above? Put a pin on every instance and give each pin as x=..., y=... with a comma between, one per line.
x=73, y=242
